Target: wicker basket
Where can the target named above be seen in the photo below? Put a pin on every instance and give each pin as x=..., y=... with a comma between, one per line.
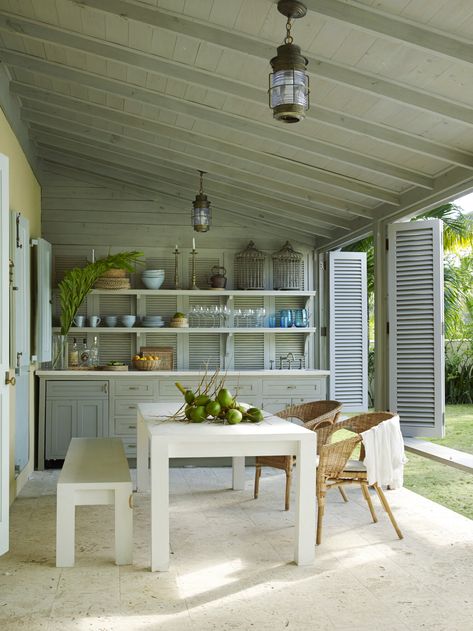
x=179, y=323
x=115, y=273
x=112, y=283
x=147, y=364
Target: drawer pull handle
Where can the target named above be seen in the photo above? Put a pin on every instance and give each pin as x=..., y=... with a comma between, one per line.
x=131, y=445
x=131, y=426
x=132, y=387
x=291, y=387
x=105, y=388
x=132, y=407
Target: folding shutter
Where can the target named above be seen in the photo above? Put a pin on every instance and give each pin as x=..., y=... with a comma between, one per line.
x=416, y=339
x=43, y=301
x=348, y=329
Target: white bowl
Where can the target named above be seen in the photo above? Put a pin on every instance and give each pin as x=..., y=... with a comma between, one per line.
x=152, y=283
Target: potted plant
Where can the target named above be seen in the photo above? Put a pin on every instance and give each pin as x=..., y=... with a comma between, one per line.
x=74, y=288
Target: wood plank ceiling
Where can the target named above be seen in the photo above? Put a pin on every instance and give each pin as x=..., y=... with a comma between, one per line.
x=147, y=92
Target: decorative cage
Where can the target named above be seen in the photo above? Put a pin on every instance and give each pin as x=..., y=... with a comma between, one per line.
x=249, y=268
x=287, y=268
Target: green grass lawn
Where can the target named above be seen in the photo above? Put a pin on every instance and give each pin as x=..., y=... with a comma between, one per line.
x=447, y=486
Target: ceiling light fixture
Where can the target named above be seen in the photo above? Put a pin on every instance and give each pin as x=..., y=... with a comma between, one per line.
x=289, y=81
x=201, y=211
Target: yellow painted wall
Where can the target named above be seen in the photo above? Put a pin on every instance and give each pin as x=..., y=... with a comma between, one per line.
x=25, y=197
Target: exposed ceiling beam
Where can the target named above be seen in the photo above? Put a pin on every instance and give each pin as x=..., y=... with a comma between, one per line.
x=61, y=105
x=247, y=45
x=268, y=131
x=39, y=30
x=119, y=175
x=175, y=179
x=74, y=131
x=181, y=174
x=395, y=28
x=447, y=187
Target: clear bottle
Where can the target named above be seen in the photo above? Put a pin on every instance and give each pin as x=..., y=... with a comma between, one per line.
x=74, y=354
x=84, y=354
x=94, y=353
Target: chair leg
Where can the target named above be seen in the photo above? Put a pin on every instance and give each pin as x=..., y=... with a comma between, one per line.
x=343, y=494
x=288, y=489
x=320, y=517
x=387, y=508
x=257, y=477
x=367, y=496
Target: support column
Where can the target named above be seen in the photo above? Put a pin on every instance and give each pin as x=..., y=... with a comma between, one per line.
x=381, y=360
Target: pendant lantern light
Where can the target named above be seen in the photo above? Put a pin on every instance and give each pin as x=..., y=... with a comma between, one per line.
x=201, y=211
x=289, y=82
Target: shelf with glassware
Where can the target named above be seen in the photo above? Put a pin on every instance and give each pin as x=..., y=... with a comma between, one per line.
x=234, y=328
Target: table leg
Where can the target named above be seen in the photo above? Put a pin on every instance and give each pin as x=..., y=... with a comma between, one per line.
x=238, y=473
x=159, y=505
x=142, y=450
x=304, y=551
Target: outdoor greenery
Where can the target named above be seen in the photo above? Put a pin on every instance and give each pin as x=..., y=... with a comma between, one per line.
x=447, y=486
x=77, y=283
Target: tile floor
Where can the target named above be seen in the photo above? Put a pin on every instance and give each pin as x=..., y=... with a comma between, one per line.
x=231, y=566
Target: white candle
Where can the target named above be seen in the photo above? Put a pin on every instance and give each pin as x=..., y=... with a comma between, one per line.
x=175, y=247
x=193, y=244
x=93, y=256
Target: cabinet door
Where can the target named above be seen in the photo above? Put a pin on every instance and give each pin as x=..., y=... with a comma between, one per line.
x=61, y=423
x=92, y=418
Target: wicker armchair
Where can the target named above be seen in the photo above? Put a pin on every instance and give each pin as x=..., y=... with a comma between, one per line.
x=335, y=468
x=317, y=416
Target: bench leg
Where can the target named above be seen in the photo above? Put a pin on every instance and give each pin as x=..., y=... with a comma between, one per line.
x=65, y=527
x=123, y=526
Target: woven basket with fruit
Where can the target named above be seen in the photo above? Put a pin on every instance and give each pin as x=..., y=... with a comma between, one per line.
x=146, y=362
x=179, y=320
x=211, y=401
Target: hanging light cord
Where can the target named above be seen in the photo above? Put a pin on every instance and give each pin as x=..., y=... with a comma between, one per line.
x=288, y=39
x=201, y=189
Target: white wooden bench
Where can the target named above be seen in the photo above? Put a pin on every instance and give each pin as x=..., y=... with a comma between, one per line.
x=95, y=471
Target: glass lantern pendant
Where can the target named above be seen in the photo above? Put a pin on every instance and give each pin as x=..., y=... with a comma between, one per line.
x=201, y=211
x=289, y=82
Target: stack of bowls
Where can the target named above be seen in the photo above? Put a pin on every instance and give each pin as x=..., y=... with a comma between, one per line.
x=153, y=278
x=152, y=321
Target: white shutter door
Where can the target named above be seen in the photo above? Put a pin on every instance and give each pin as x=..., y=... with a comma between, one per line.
x=43, y=301
x=416, y=340
x=4, y=353
x=348, y=329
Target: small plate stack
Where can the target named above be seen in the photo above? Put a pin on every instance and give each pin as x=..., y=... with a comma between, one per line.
x=152, y=321
x=153, y=278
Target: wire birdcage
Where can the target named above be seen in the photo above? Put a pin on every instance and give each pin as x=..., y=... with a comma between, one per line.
x=249, y=268
x=287, y=268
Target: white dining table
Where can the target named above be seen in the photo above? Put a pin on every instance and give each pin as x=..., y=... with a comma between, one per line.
x=160, y=438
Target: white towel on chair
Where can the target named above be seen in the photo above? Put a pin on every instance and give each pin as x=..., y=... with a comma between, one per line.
x=384, y=453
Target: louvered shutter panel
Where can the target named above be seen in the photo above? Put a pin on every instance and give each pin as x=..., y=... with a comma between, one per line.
x=416, y=340
x=43, y=299
x=348, y=329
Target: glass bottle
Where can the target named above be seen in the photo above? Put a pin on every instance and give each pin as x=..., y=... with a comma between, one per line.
x=94, y=353
x=74, y=354
x=84, y=354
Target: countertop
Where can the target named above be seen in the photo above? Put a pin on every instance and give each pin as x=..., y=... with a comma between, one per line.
x=80, y=374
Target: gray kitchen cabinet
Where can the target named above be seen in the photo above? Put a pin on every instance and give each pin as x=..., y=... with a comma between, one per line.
x=80, y=411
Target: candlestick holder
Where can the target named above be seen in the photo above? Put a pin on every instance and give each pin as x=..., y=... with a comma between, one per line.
x=194, y=279
x=176, y=269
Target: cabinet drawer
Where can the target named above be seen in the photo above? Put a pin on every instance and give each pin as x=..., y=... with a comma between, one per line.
x=243, y=387
x=314, y=388
x=132, y=388
x=127, y=407
x=77, y=390
x=124, y=426
x=130, y=447
x=168, y=388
